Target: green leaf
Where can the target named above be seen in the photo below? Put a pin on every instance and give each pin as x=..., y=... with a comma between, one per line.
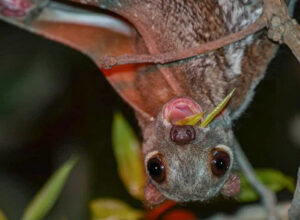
x=46, y=197
x=247, y=193
x=216, y=110
x=113, y=209
x=273, y=179
x=128, y=155
x=191, y=120
x=2, y=216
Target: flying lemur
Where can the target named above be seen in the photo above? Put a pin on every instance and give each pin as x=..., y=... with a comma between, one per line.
x=183, y=163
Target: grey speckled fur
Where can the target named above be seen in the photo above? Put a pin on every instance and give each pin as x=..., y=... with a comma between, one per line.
x=207, y=79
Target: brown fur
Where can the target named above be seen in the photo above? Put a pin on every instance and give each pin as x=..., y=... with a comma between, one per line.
x=173, y=25
x=168, y=25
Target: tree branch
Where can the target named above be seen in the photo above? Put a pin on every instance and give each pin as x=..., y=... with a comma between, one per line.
x=162, y=58
x=268, y=198
x=292, y=37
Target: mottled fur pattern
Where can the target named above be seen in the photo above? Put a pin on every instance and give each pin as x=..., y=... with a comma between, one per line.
x=174, y=25
x=180, y=24
x=177, y=25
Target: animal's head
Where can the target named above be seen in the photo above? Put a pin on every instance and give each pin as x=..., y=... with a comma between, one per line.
x=188, y=162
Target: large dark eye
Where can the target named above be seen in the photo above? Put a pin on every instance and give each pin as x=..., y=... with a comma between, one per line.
x=156, y=169
x=220, y=163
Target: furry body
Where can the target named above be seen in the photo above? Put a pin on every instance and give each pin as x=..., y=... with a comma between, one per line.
x=175, y=25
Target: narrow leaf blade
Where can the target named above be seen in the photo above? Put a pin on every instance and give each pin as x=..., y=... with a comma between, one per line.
x=191, y=120
x=128, y=155
x=2, y=216
x=272, y=179
x=217, y=110
x=47, y=196
x=107, y=208
x=276, y=180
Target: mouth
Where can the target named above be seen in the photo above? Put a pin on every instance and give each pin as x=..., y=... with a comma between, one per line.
x=180, y=108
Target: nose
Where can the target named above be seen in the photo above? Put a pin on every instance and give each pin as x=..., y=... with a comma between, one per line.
x=182, y=134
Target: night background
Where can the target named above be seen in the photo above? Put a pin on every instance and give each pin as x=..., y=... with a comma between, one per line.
x=55, y=103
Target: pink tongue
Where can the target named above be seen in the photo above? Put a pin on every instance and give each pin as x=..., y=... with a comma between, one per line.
x=180, y=111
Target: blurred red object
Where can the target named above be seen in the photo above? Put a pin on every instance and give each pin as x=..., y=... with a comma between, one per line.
x=179, y=214
x=163, y=212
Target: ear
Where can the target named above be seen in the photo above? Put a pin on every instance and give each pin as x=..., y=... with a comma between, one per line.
x=232, y=186
x=152, y=195
x=97, y=34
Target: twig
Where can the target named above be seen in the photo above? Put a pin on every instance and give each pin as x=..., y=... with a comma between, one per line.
x=294, y=210
x=282, y=28
x=268, y=198
x=291, y=37
x=288, y=32
x=162, y=58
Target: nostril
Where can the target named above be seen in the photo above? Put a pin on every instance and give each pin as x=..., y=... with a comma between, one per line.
x=182, y=134
x=189, y=132
x=175, y=133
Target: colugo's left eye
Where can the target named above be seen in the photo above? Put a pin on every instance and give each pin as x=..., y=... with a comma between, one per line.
x=156, y=169
x=220, y=162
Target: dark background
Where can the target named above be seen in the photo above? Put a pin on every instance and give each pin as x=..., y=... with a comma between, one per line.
x=54, y=103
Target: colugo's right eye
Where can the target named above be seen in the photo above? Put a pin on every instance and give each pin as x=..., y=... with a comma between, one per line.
x=156, y=169
x=220, y=162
